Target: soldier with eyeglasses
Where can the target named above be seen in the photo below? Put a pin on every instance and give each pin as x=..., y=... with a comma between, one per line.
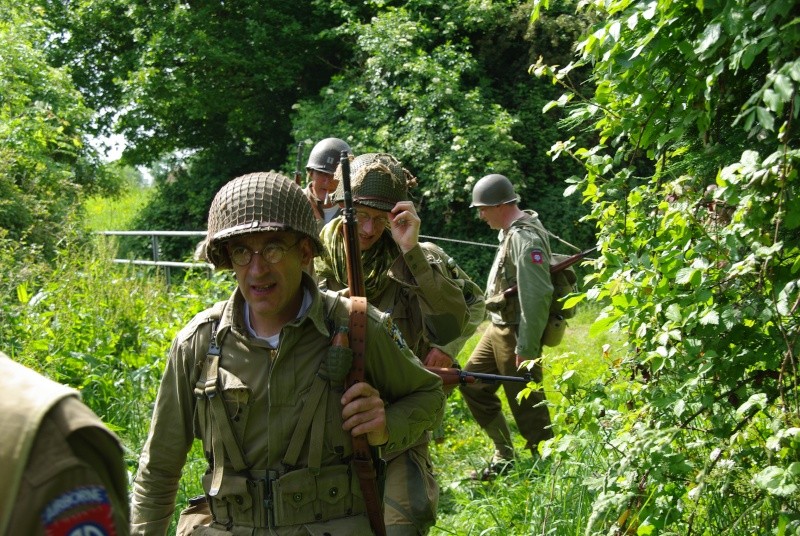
x=257, y=379
x=431, y=300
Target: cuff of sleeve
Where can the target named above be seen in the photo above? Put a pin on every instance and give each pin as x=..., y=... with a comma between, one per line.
x=399, y=434
x=416, y=261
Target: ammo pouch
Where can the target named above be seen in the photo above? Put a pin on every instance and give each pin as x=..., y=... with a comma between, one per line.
x=496, y=303
x=301, y=496
x=298, y=497
x=554, y=330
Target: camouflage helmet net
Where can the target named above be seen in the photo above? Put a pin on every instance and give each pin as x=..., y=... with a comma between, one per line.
x=378, y=180
x=254, y=203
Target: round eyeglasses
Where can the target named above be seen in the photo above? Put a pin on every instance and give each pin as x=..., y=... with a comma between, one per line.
x=271, y=253
x=377, y=221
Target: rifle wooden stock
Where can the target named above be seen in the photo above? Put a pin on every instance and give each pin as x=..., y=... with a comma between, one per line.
x=456, y=376
x=298, y=170
x=555, y=268
x=363, y=462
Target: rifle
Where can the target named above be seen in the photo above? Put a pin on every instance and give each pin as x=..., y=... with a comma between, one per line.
x=555, y=268
x=456, y=376
x=298, y=173
x=363, y=462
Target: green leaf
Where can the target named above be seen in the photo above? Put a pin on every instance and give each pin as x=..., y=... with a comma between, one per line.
x=783, y=85
x=775, y=480
x=686, y=276
x=602, y=325
x=22, y=293
x=709, y=317
x=756, y=401
x=708, y=38
x=674, y=313
x=765, y=118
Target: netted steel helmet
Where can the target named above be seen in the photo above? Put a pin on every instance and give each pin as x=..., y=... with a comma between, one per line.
x=378, y=180
x=493, y=190
x=254, y=203
x=326, y=154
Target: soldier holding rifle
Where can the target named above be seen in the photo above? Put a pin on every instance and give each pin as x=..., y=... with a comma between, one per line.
x=517, y=325
x=418, y=284
x=260, y=381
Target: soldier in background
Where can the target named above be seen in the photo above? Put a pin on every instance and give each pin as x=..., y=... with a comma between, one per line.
x=257, y=379
x=322, y=163
x=517, y=323
x=427, y=295
x=61, y=469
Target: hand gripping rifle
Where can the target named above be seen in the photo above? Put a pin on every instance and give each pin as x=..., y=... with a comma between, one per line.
x=362, y=453
x=298, y=170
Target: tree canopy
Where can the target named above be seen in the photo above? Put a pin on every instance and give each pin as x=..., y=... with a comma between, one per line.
x=221, y=89
x=46, y=163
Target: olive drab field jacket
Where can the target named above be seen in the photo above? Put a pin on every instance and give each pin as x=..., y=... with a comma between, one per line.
x=423, y=300
x=61, y=469
x=472, y=295
x=278, y=457
x=523, y=259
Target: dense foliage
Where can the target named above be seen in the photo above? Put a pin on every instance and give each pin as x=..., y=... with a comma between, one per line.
x=207, y=91
x=46, y=164
x=684, y=120
x=693, y=189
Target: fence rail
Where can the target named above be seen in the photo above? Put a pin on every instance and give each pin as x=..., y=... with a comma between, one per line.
x=156, y=261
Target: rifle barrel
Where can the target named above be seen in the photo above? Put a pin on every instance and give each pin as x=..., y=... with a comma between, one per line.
x=453, y=376
x=355, y=275
x=298, y=173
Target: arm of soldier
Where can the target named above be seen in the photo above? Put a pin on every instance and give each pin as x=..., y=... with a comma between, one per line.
x=535, y=290
x=441, y=300
x=414, y=397
x=74, y=476
x=164, y=452
x=473, y=295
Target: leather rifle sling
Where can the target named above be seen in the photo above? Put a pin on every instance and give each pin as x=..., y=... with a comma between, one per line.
x=362, y=455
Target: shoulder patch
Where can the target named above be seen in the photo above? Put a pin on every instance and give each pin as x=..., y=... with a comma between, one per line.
x=537, y=256
x=81, y=511
x=394, y=331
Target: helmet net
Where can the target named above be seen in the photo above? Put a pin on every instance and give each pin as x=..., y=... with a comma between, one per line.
x=254, y=203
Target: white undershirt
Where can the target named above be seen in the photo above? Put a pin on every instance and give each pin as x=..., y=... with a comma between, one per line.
x=274, y=340
x=330, y=212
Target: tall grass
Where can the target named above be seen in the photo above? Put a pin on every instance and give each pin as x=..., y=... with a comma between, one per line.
x=542, y=496
x=103, y=214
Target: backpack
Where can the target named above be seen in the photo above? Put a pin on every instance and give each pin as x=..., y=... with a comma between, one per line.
x=564, y=282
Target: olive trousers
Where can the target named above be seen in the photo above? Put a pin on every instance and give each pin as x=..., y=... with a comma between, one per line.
x=495, y=354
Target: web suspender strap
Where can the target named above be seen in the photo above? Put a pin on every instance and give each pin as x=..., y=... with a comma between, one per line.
x=310, y=415
x=223, y=437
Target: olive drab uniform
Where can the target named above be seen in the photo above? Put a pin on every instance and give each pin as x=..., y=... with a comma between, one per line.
x=517, y=325
x=270, y=420
x=429, y=307
x=473, y=297
x=61, y=469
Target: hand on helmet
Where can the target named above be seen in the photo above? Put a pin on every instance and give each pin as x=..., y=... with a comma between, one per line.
x=405, y=224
